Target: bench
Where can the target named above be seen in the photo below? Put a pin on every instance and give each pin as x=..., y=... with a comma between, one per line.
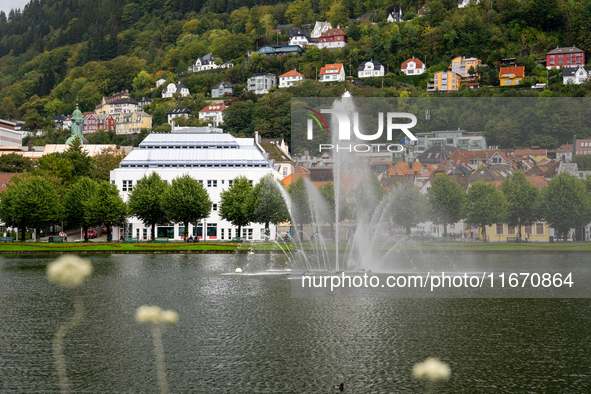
x=512, y=239
x=443, y=239
x=130, y=240
x=56, y=239
x=238, y=240
x=6, y=239
x=161, y=239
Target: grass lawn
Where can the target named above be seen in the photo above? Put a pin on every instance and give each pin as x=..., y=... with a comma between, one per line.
x=217, y=247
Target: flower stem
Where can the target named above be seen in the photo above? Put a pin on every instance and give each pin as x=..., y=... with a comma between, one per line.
x=159, y=353
x=58, y=339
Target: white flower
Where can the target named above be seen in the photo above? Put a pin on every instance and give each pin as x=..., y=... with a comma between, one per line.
x=69, y=271
x=170, y=317
x=155, y=315
x=431, y=369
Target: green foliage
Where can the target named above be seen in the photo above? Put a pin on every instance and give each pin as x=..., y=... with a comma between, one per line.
x=266, y=204
x=145, y=200
x=186, y=201
x=522, y=200
x=583, y=162
x=300, y=205
x=565, y=203
x=234, y=203
x=75, y=203
x=33, y=202
x=105, y=207
x=485, y=206
x=447, y=200
x=409, y=206
x=15, y=163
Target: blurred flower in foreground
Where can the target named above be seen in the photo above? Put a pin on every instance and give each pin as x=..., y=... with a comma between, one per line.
x=431, y=369
x=69, y=271
x=156, y=317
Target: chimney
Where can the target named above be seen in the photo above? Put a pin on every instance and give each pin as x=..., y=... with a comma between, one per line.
x=30, y=146
x=487, y=157
x=574, y=145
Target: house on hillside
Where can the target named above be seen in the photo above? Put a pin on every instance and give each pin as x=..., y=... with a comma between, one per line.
x=511, y=76
x=260, y=83
x=277, y=152
x=174, y=88
x=444, y=81
x=413, y=66
x=565, y=57
x=465, y=3
x=222, y=89
x=396, y=15
x=290, y=78
x=332, y=39
x=332, y=73
x=319, y=29
x=132, y=123
x=299, y=37
x=227, y=65
x=280, y=50
x=461, y=65
x=369, y=69
x=565, y=152
x=206, y=62
x=180, y=112
x=213, y=114
x=94, y=122
x=576, y=75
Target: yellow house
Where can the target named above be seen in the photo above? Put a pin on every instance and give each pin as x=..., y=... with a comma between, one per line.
x=444, y=81
x=539, y=232
x=511, y=76
x=130, y=123
x=461, y=65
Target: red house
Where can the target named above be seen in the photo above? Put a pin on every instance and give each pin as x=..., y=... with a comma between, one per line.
x=332, y=39
x=94, y=122
x=565, y=57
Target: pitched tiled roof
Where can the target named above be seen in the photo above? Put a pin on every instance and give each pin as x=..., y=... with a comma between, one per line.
x=516, y=72
x=292, y=73
x=337, y=67
x=333, y=32
x=412, y=59
x=214, y=108
x=564, y=50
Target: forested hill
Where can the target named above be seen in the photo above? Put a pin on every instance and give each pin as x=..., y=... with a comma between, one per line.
x=55, y=53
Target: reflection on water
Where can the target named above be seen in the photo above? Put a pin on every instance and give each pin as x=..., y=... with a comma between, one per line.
x=245, y=334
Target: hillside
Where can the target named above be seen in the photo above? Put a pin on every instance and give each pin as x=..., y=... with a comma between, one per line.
x=58, y=52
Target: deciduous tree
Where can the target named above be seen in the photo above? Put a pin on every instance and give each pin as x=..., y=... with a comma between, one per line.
x=447, y=200
x=485, y=206
x=522, y=200
x=234, y=203
x=75, y=201
x=106, y=208
x=266, y=203
x=145, y=200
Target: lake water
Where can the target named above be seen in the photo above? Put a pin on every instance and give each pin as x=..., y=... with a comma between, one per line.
x=246, y=334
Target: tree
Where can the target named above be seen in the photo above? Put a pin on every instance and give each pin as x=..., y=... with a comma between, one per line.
x=233, y=203
x=108, y=159
x=106, y=208
x=565, y=203
x=75, y=200
x=79, y=159
x=409, y=206
x=300, y=205
x=266, y=204
x=485, y=206
x=15, y=163
x=447, y=200
x=31, y=202
x=186, y=201
x=145, y=201
x=522, y=200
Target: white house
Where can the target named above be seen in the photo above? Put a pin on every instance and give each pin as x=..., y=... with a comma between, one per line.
x=8, y=135
x=395, y=15
x=160, y=82
x=260, y=83
x=213, y=114
x=319, y=29
x=290, y=78
x=576, y=75
x=181, y=112
x=298, y=37
x=370, y=69
x=413, y=66
x=213, y=159
x=173, y=88
x=206, y=62
x=227, y=65
x=332, y=73
x=464, y=3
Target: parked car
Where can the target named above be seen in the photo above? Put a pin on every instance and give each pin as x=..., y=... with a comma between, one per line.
x=104, y=230
x=91, y=233
x=421, y=236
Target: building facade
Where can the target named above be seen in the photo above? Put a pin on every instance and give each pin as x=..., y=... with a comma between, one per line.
x=181, y=112
x=290, y=78
x=444, y=81
x=174, y=88
x=576, y=75
x=319, y=29
x=332, y=39
x=370, y=69
x=172, y=155
x=461, y=65
x=213, y=114
x=261, y=83
x=222, y=88
x=511, y=76
x=413, y=66
x=298, y=37
x=565, y=57
x=332, y=73
x=206, y=62
x=132, y=123
x=94, y=122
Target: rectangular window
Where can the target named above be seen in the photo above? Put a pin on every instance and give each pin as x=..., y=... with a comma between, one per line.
x=212, y=230
x=222, y=233
x=540, y=228
x=214, y=207
x=230, y=182
x=127, y=186
x=499, y=229
x=284, y=171
x=510, y=230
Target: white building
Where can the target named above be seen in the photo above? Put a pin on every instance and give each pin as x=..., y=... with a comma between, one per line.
x=214, y=159
x=213, y=114
x=413, y=66
x=576, y=75
x=290, y=78
x=160, y=82
x=173, y=88
x=261, y=83
x=206, y=62
x=298, y=37
x=181, y=112
x=395, y=15
x=319, y=29
x=464, y=3
x=332, y=73
x=8, y=135
x=370, y=69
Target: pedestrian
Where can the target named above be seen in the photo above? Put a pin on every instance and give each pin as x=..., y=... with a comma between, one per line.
x=470, y=234
x=526, y=237
x=463, y=237
x=574, y=236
